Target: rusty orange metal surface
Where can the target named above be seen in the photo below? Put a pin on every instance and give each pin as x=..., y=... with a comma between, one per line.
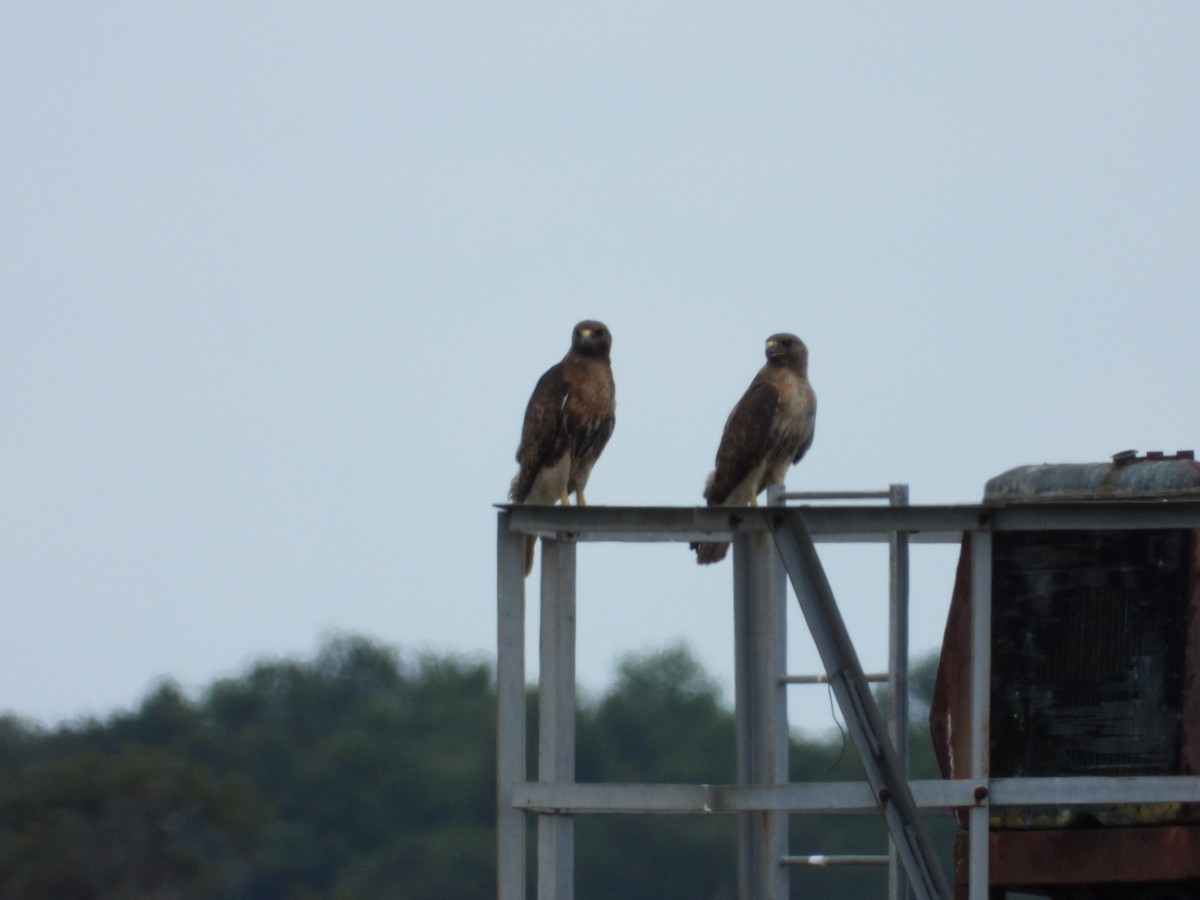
x=1033, y=859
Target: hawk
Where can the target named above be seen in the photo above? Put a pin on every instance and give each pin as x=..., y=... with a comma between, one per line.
x=769, y=429
x=569, y=419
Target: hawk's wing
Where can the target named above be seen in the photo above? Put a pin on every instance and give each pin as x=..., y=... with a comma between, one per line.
x=591, y=425
x=812, y=430
x=745, y=440
x=543, y=437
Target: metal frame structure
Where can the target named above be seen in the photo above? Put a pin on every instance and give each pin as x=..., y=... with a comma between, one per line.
x=896, y=676
x=773, y=544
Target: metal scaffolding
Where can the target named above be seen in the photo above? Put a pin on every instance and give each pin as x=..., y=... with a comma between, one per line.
x=773, y=545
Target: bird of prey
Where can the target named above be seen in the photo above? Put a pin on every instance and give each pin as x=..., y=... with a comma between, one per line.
x=768, y=430
x=569, y=419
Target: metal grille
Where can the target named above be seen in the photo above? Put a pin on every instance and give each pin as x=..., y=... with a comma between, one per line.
x=1087, y=666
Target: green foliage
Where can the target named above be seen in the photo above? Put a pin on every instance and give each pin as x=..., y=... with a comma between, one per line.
x=662, y=722
x=357, y=775
x=124, y=824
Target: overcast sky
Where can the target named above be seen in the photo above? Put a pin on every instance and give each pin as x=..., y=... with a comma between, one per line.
x=278, y=280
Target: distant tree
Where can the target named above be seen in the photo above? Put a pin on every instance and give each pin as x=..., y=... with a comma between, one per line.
x=357, y=775
x=20, y=741
x=662, y=721
x=134, y=824
x=379, y=775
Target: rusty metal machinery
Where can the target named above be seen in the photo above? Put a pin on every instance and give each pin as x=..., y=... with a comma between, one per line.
x=1095, y=653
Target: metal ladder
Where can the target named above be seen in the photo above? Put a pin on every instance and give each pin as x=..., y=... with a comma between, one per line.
x=885, y=774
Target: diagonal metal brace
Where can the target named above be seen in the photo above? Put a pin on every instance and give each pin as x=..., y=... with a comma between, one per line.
x=888, y=781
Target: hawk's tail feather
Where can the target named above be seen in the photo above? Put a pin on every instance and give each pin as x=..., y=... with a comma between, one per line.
x=708, y=552
x=530, y=543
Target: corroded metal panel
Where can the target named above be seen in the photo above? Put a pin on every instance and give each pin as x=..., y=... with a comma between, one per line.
x=1095, y=671
x=1033, y=859
x=1126, y=478
x=1096, y=639
x=949, y=710
x=1095, y=658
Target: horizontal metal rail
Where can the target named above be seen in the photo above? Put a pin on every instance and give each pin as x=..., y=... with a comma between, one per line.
x=783, y=496
x=844, y=859
x=850, y=797
x=857, y=524
x=881, y=677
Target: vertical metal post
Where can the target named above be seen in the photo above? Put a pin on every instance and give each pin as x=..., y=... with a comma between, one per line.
x=760, y=653
x=898, y=888
x=981, y=671
x=510, y=709
x=556, y=715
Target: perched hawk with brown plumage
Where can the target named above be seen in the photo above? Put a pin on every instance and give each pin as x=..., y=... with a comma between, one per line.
x=569, y=419
x=769, y=429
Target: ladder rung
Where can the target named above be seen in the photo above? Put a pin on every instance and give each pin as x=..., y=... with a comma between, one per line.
x=835, y=495
x=824, y=679
x=818, y=859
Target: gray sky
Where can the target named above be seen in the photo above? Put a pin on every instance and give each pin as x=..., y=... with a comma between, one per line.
x=278, y=279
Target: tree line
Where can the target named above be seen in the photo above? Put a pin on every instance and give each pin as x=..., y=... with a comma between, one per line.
x=359, y=774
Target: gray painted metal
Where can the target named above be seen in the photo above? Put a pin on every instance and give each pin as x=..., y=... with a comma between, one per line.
x=878, y=677
x=898, y=888
x=981, y=668
x=510, y=710
x=846, y=859
x=783, y=496
x=556, y=797
x=857, y=524
x=887, y=779
x=556, y=715
x=1085, y=790
x=849, y=797
x=760, y=657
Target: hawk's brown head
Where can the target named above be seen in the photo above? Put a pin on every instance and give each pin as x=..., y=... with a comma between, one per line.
x=591, y=338
x=787, y=350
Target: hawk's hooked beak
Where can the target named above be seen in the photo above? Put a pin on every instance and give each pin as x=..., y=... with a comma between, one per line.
x=773, y=349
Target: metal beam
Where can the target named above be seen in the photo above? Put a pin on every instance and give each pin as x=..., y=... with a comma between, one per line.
x=850, y=797
x=814, y=798
x=858, y=524
x=760, y=710
x=510, y=710
x=1094, y=790
x=898, y=669
x=981, y=682
x=556, y=715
